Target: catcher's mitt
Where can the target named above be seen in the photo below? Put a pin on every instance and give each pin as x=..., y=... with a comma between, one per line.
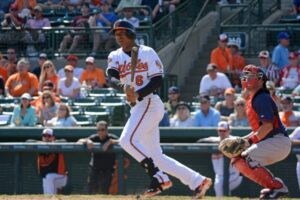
x=233, y=147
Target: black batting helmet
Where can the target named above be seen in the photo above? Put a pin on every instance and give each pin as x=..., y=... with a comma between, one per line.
x=124, y=25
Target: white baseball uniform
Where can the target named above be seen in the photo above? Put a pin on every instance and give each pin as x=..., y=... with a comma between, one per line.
x=52, y=182
x=296, y=136
x=140, y=136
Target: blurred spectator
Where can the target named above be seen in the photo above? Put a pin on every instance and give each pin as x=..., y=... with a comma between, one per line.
x=4, y=5
x=13, y=21
x=12, y=18
x=52, y=4
x=51, y=166
x=73, y=4
x=92, y=76
x=104, y=19
x=165, y=120
x=239, y=117
x=48, y=86
x=169, y=6
x=290, y=74
x=101, y=166
x=154, y=8
x=226, y=107
x=22, y=82
x=76, y=36
x=63, y=117
x=281, y=53
x=34, y=33
x=25, y=7
x=2, y=87
x=214, y=83
x=296, y=11
x=48, y=73
x=48, y=108
x=129, y=16
x=11, y=65
x=24, y=114
x=289, y=117
x=173, y=99
x=207, y=115
x=271, y=71
x=72, y=60
x=37, y=70
x=217, y=159
x=127, y=3
x=296, y=91
x=182, y=117
x=238, y=62
x=272, y=90
x=295, y=138
x=69, y=86
x=221, y=55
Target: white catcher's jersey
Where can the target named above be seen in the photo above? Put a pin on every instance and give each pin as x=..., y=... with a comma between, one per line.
x=149, y=65
x=296, y=136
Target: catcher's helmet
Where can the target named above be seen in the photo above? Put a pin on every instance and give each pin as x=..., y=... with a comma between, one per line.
x=124, y=25
x=252, y=71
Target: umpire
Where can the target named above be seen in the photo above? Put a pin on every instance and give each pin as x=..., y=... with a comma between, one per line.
x=101, y=166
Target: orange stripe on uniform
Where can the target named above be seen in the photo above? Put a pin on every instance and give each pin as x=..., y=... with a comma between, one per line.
x=131, y=137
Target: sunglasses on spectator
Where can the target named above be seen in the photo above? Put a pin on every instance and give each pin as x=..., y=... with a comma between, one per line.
x=46, y=97
x=62, y=109
x=47, y=135
x=240, y=104
x=181, y=108
x=263, y=58
x=221, y=131
x=101, y=129
x=66, y=71
x=10, y=52
x=47, y=66
x=204, y=102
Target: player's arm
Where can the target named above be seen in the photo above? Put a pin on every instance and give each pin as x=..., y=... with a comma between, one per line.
x=155, y=83
x=114, y=79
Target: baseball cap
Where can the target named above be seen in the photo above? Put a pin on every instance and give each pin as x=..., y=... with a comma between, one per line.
x=69, y=67
x=26, y=96
x=48, y=131
x=183, y=103
x=38, y=8
x=287, y=98
x=211, y=67
x=229, y=91
x=283, y=35
x=173, y=89
x=90, y=60
x=204, y=98
x=264, y=54
x=223, y=125
x=293, y=55
x=43, y=55
x=223, y=37
x=72, y=57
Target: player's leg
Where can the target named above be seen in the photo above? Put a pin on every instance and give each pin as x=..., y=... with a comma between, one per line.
x=298, y=173
x=48, y=184
x=59, y=181
x=262, y=154
x=218, y=185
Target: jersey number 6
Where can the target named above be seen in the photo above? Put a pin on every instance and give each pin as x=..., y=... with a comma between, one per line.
x=139, y=80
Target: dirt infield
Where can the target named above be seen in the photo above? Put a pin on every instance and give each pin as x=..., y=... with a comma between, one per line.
x=100, y=197
x=97, y=197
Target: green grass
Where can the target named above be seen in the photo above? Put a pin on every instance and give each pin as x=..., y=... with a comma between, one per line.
x=100, y=197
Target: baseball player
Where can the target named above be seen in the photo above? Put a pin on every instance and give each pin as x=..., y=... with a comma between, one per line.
x=140, y=136
x=268, y=142
x=235, y=179
x=295, y=137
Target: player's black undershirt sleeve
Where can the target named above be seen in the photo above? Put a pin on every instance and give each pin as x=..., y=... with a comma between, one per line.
x=155, y=83
x=114, y=79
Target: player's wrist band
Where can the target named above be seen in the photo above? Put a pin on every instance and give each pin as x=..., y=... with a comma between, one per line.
x=253, y=139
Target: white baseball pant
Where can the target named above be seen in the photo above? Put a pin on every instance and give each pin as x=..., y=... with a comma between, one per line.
x=141, y=139
x=52, y=182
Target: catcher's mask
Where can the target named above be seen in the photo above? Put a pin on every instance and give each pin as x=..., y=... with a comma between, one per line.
x=251, y=75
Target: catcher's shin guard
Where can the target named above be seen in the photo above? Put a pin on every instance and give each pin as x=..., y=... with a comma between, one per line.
x=259, y=175
x=148, y=165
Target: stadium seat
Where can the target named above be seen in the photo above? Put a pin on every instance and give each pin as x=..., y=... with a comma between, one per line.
x=5, y=120
x=83, y=120
x=6, y=102
x=84, y=102
x=102, y=92
x=113, y=101
x=8, y=111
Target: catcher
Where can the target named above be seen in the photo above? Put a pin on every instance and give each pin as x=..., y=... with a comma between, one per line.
x=235, y=179
x=268, y=142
